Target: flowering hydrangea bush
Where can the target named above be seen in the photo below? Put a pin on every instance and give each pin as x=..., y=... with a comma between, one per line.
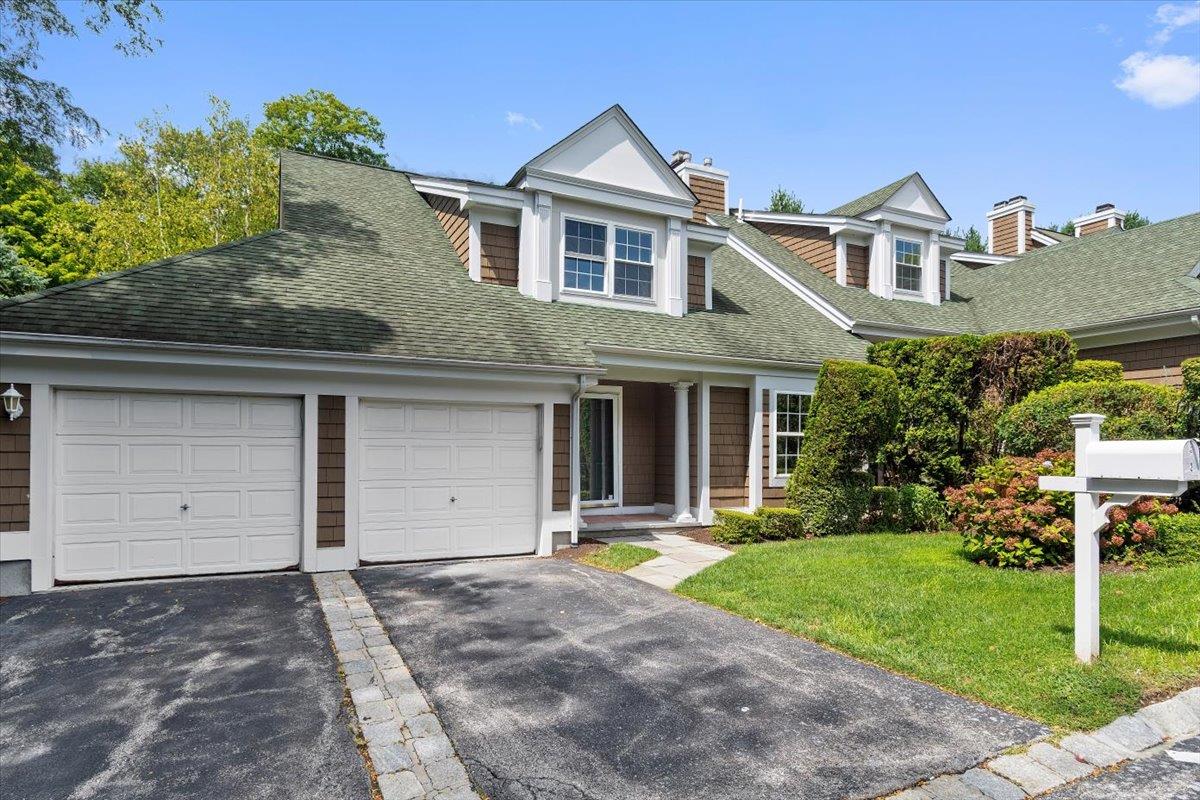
x=1007, y=521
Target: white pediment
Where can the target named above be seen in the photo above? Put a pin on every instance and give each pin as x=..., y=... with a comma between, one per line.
x=611, y=151
x=915, y=197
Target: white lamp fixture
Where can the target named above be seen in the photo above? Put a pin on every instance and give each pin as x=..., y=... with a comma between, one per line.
x=12, y=402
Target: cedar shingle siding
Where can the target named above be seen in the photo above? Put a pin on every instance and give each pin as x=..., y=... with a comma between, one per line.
x=1094, y=227
x=14, y=467
x=695, y=283
x=772, y=495
x=498, y=246
x=1151, y=362
x=1004, y=232
x=454, y=222
x=710, y=193
x=729, y=446
x=815, y=245
x=331, y=471
x=858, y=265
x=560, y=497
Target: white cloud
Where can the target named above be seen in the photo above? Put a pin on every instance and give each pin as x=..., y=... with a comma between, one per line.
x=516, y=119
x=1163, y=81
x=1172, y=17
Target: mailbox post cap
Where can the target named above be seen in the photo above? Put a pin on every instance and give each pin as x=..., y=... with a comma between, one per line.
x=1087, y=420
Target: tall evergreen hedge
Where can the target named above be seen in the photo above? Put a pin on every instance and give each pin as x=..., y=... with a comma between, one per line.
x=1190, y=406
x=953, y=390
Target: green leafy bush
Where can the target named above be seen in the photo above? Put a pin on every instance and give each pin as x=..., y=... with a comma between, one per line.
x=777, y=524
x=920, y=507
x=1190, y=403
x=1094, y=369
x=854, y=411
x=1007, y=521
x=884, y=512
x=736, y=527
x=953, y=390
x=1178, y=540
x=1134, y=410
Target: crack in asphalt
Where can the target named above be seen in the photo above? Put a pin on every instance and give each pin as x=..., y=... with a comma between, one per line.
x=534, y=787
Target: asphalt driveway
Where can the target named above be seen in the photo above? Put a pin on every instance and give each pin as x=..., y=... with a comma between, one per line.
x=559, y=681
x=212, y=688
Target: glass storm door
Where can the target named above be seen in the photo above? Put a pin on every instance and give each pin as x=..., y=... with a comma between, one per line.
x=597, y=449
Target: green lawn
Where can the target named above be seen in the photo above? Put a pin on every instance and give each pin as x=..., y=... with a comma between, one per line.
x=619, y=557
x=912, y=604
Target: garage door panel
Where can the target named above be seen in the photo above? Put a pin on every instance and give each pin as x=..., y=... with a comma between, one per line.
x=517, y=422
x=430, y=459
x=516, y=461
x=235, y=462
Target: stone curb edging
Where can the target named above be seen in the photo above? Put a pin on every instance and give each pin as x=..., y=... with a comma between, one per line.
x=1044, y=767
x=412, y=756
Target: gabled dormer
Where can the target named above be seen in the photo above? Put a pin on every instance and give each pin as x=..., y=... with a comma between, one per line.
x=598, y=218
x=890, y=242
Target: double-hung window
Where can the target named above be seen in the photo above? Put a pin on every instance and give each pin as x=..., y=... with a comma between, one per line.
x=589, y=261
x=908, y=266
x=586, y=256
x=791, y=412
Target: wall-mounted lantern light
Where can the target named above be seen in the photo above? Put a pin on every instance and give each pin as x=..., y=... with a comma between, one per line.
x=12, y=402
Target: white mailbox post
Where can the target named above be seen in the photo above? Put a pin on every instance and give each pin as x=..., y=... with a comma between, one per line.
x=1126, y=471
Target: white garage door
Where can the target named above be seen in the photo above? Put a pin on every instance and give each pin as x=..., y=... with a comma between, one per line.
x=446, y=481
x=172, y=484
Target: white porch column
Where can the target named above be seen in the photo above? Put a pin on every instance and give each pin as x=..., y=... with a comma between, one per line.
x=575, y=473
x=1087, y=545
x=703, y=453
x=755, y=466
x=683, y=470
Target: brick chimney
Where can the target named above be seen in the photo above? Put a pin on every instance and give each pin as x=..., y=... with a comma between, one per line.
x=1010, y=226
x=709, y=184
x=1104, y=217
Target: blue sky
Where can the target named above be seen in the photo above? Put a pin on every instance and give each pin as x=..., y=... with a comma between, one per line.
x=831, y=101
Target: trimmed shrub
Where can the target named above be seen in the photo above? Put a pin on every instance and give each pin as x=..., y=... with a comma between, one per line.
x=953, y=390
x=1008, y=521
x=1094, y=369
x=920, y=507
x=1134, y=410
x=1178, y=540
x=854, y=411
x=736, y=527
x=777, y=524
x=1190, y=403
x=884, y=512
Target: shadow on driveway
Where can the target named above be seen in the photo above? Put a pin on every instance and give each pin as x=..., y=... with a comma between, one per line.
x=559, y=681
x=209, y=688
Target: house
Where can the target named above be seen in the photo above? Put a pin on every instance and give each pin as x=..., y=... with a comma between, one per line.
x=413, y=367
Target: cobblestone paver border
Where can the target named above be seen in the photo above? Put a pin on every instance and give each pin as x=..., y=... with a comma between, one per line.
x=412, y=756
x=1044, y=767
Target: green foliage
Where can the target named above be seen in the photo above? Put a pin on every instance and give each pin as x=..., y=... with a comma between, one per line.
x=953, y=390
x=1178, y=540
x=784, y=202
x=853, y=412
x=920, y=508
x=16, y=278
x=319, y=123
x=1133, y=410
x=776, y=524
x=1135, y=220
x=42, y=224
x=884, y=511
x=1190, y=402
x=736, y=527
x=1094, y=369
x=39, y=112
x=1067, y=228
x=975, y=242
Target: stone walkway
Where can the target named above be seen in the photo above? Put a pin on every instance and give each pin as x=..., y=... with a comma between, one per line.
x=681, y=557
x=413, y=758
x=1045, y=767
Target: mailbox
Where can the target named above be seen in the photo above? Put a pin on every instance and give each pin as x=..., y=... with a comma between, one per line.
x=1150, y=460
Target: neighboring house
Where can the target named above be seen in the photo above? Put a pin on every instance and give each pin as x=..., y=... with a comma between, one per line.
x=414, y=367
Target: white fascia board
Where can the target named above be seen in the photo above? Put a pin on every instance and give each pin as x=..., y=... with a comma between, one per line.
x=805, y=293
x=42, y=345
x=834, y=224
x=659, y=360
x=1096, y=216
x=951, y=242
x=689, y=168
x=1038, y=236
x=910, y=219
x=965, y=257
x=706, y=234
x=1150, y=327
x=470, y=194
x=1010, y=208
x=601, y=194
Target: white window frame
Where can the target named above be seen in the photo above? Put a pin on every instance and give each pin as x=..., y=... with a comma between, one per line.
x=777, y=479
x=617, y=395
x=610, y=260
x=896, y=240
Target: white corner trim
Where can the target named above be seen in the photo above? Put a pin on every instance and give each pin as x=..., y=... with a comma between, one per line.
x=308, y=537
x=811, y=297
x=840, y=253
x=351, y=491
x=41, y=487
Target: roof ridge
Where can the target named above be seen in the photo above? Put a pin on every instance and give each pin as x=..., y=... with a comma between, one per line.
x=21, y=299
x=337, y=160
x=844, y=207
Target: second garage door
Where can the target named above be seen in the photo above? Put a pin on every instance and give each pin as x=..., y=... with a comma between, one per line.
x=446, y=480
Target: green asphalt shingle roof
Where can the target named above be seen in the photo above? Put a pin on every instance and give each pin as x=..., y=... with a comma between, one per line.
x=869, y=200
x=361, y=265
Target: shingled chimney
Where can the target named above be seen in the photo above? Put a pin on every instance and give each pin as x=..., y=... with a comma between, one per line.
x=1104, y=217
x=709, y=184
x=1010, y=226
